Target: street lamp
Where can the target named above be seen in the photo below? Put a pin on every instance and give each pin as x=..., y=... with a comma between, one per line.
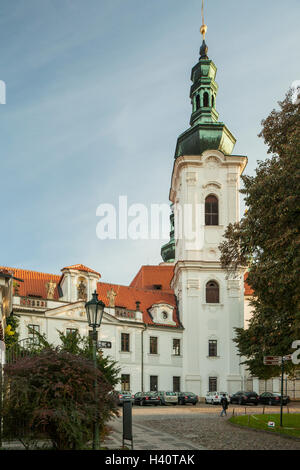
x=94, y=312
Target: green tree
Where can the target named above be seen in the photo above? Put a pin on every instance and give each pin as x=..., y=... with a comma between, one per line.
x=82, y=345
x=267, y=241
x=11, y=335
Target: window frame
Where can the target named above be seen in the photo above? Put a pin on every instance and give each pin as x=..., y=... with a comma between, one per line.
x=151, y=388
x=212, y=294
x=71, y=330
x=35, y=328
x=124, y=382
x=211, y=215
x=176, y=349
x=155, y=343
x=212, y=380
x=125, y=342
x=178, y=379
x=212, y=348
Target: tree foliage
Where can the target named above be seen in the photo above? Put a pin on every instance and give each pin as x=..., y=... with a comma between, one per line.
x=11, y=335
x=51, y=390
x=267, y=241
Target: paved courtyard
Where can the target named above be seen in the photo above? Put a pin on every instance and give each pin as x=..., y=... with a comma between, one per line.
x=199, y=427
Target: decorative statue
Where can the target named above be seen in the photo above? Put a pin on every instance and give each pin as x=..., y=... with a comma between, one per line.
x=50, y=287
x=81, y=290
x=111, y=294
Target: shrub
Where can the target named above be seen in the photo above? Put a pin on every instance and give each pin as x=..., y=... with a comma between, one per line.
x=53, y=392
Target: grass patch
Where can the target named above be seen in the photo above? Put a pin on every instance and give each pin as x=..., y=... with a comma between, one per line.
x=291, y=423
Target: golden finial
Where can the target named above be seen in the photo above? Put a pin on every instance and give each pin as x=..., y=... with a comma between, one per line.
x=203, y=28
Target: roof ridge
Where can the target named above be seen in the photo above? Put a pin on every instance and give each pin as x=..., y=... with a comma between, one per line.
x=29, y=271
x=137, y=288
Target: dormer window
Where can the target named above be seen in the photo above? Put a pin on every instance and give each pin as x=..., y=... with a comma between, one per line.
x=165, y=315
x=157, y=286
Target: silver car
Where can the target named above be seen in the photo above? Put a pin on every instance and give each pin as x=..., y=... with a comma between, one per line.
x=168, y=398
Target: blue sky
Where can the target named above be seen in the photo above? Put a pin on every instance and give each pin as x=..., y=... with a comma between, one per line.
x=97, y=94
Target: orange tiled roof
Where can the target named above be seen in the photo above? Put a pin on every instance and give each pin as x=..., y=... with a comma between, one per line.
x=128, y=296
x=81, y=267
x=248, y=290
x=34, y=282
x=149, y=276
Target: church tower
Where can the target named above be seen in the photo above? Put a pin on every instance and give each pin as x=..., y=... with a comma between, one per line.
x=205, y=199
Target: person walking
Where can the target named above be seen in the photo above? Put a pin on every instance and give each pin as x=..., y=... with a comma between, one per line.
x=224, y=403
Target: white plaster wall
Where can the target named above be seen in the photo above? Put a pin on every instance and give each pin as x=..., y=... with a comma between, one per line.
x=164, y=364
x=194, y=178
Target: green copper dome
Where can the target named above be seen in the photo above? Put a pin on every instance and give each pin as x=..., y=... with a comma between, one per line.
x=206, y=132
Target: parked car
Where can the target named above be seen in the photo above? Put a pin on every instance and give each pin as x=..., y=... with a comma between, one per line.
x=269, y=398
x=168, y=398
x=214, y=398
x=146, y=398
x=244, y=398
x=187, y=397
x=122, y=396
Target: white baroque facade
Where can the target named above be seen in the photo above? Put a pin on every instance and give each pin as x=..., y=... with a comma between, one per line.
x=197, y=263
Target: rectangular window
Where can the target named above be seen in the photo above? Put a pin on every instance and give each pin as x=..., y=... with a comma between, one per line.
x=70, y=331
x=33, y=330
x=125, y=383
x=153, y=345
x=176, y=347
x=212, y=384
x=153, y=383
x=213, y=348
x=176, y=384
x=125, y=342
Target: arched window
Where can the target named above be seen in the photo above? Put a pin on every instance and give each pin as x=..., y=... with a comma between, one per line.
x=212, y=293
x=197, y=102
x=205, y=100
x=213, y=101
x=211, y=210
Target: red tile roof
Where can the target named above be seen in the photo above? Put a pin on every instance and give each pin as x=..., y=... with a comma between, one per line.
x=128, y=296
x=34, y=282
x=140, y=289
x=248, y=290
x=149, y=276
x=81, y=267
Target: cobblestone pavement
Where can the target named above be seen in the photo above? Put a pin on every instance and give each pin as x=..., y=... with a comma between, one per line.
x=197, y=427
x=145, y=438
x=204, y=427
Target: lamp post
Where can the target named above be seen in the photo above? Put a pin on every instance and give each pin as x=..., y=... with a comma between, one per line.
x=94, y=312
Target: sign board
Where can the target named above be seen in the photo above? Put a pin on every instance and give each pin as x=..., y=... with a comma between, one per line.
x=288, y=357
x=272, y=360
x=104, y=345
x=271, y=424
